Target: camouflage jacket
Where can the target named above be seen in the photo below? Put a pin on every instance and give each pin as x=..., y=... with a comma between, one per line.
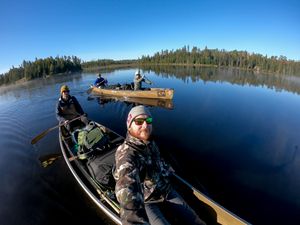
x=141, y=176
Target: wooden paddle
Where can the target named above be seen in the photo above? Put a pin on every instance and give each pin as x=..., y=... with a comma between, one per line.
x=148, y=80
x=44, y=133
x=90, y=89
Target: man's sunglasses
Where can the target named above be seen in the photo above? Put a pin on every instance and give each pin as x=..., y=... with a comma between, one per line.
x=140, y=121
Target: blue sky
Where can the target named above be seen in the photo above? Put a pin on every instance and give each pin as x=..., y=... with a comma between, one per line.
x=119, y=29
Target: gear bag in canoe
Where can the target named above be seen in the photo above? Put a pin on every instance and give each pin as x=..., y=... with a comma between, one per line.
x=91, y=143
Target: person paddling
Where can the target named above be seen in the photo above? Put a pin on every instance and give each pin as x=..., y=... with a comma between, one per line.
x=138, y=79
x=68, y=108
x=100, y=81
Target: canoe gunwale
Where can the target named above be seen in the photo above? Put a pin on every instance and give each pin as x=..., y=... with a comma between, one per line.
x=224, y=216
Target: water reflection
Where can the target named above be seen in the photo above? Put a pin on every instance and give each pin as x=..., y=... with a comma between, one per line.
x=239, y=142
x=162, y=103
x=32, y=88
x=230, y=75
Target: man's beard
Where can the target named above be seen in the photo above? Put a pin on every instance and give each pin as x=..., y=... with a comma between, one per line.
x=144, y=134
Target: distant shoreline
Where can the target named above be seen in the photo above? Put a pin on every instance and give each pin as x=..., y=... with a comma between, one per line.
x=112, y=66
x=194, y=57
x=129, y=65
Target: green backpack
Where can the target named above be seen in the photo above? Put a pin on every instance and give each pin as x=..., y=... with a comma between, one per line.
x=88, y=139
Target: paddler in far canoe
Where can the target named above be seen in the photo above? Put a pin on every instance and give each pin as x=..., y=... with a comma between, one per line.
x=138, y=79
x=100, y=82
x=133, y=90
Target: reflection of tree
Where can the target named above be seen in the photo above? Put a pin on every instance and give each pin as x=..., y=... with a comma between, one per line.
x=109, y=68
x=107, y=64
x=17, y=90
x=231, y=75
x=223, y=58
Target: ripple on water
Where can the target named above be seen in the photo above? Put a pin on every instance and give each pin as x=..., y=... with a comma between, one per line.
x=12, y=127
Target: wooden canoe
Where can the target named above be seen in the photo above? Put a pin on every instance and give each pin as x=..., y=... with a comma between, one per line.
x=210, y=211
x=158, y=93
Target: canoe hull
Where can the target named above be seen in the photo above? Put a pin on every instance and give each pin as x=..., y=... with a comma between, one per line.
x=156, y=93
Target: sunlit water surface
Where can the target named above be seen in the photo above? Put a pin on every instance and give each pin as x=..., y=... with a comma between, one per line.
x=234, y=135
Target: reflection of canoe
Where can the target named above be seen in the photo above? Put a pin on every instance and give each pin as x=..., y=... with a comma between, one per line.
x=163, y=103
x=104, y=198
x=159, y=93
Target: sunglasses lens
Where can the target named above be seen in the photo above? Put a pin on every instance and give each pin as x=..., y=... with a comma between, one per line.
x=140, y=121
x=149, y=120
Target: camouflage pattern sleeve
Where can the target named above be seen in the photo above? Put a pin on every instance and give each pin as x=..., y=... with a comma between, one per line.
x=128, y=189
x=166, y=169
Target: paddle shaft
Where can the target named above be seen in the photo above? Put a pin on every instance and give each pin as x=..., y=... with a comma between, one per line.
x=148, y=79
x=90, y=89
x=44, y=133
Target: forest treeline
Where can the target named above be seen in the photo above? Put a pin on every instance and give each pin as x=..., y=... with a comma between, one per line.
x=41, y=68
x=58, y=65
x=183, y=56
x=223, y=58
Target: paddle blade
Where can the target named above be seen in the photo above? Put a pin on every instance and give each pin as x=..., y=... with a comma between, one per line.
x=47, y=160
x=89, y=90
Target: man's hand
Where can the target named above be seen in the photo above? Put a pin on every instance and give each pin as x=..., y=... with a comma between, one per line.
x=171, y=170
x=84, y=118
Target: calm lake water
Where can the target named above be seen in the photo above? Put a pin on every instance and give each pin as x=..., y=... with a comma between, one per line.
x=233, y=134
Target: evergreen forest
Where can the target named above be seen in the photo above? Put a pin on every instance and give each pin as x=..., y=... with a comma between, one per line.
x=223, y=58
x=41, y=68
x=183, y=56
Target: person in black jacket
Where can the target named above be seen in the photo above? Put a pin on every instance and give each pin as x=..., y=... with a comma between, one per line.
x=100, y=81
x=68, y=108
